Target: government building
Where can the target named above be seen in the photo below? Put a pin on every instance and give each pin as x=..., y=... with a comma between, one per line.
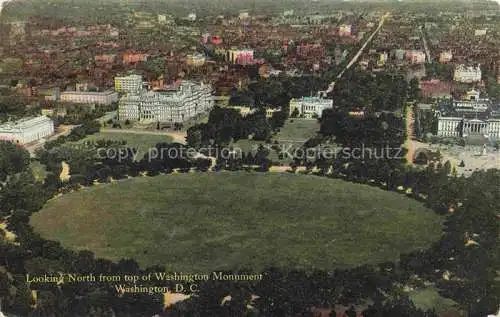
x=470, y=117
x=86, y=97
x=27, y=130
x=310, y=107
x=174, y=106
x=462, y=127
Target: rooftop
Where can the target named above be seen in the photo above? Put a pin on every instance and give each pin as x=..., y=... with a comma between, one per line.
x=23, y=123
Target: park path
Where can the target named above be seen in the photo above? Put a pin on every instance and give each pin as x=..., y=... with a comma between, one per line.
x=410, y=144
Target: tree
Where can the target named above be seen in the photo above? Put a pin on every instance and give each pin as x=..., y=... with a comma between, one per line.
x=194, y=136
x=414, y=89
x=13, y=159
x=295, y=113
x=154, y=67
x=447, y=168
x=421, y=159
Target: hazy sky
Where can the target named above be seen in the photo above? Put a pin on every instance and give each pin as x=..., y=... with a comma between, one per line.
x=4, y=1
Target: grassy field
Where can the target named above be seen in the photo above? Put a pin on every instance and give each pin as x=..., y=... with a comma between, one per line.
x=38, y=170
x=202, y=222
x=10, y=65
x=298, y=130
x=429, y=298
x=143, y=142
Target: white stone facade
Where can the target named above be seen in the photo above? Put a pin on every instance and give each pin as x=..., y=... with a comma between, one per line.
x=167, y=106
x=309, y=107
x=27, y=130
x=457, y=127
x=467, y=74
x=466, y=106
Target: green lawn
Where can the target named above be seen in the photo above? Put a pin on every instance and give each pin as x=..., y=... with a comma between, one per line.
x=202, y=222
x=429, y=298
x=10, y=65
x=38, y=170
x=298, y=130
x=143, y=142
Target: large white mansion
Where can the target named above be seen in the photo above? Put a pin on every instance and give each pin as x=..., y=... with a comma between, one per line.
x=177, y=105
x=461, y=127
x=27, y=130
x=309, y=107
x=467, y=74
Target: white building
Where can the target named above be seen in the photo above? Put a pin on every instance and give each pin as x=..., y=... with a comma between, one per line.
x=162, y=18
x=27, y=130
x=129, y=84
x=192, y=17
x=102, y=98
x=243, y=15
x=460, y=127
x=480, y=32
x=449, y=126
x=467, y=74
x=472, y=103
x=167, y=106
x=309, y=107
x=244, y=111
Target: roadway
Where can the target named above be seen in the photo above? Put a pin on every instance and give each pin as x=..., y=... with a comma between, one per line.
x=62, y=130
x=358, y=54
x=426, y=46
x=107, y=116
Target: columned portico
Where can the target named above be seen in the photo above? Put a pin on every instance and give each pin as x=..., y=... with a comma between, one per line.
x=475, y=127
x=456, y=127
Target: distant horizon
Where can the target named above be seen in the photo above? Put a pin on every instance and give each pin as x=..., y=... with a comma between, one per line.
x=3, y=2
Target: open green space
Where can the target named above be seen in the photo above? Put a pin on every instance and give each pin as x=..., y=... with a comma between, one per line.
x=292, y=135
x=202, y=222
x=297, y=130
x=142, y=142
x=10, y=65
x=38, y=170
x=430, y=299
